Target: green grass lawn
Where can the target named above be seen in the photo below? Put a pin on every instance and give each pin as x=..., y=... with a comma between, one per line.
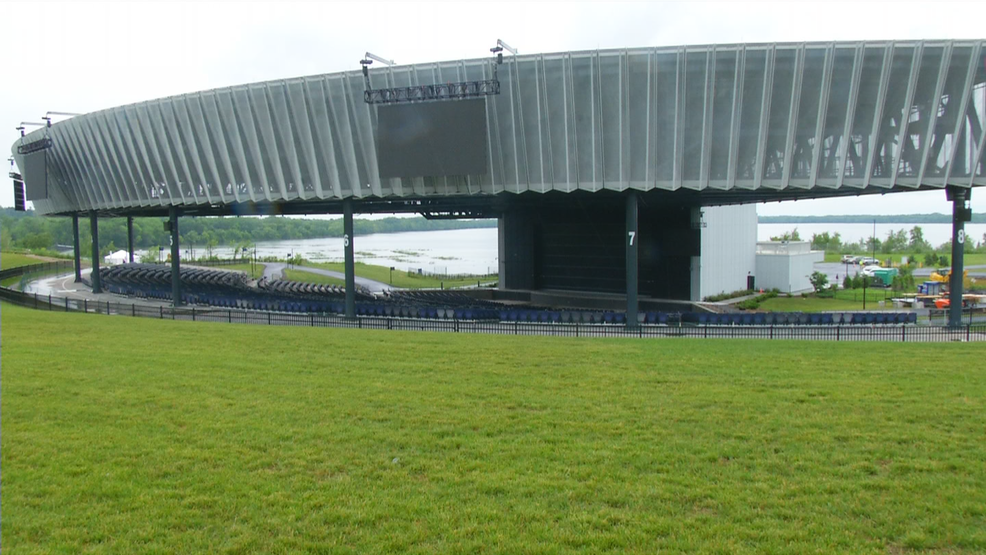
x=844, y=300
x=401, y=278
x=308, y=277
x=13, y=260
x=253, y=439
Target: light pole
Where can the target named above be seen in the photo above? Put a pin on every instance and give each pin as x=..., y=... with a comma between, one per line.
x=866, y=281
x=873, y=241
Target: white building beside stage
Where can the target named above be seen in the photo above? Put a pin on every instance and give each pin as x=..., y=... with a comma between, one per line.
x=732, y=259
x=786, y=265
x=729, y=247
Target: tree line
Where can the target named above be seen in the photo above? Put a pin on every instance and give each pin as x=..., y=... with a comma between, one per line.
x=977, y=218
x=26, y=230
x=896, y=242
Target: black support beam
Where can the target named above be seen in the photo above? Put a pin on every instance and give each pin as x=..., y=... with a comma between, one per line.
x=130, y=237
x=76, y=248
x=94, y=229
x=961, y=213
x=632, y=241
x=347, y=241
x=175, y=258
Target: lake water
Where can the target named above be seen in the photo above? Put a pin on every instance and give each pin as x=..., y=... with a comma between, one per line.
x=453, y=251
x=474, y=251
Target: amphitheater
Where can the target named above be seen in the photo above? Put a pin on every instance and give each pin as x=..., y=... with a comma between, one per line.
x=626, y=174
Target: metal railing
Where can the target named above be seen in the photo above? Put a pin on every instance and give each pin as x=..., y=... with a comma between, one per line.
x=896, y=333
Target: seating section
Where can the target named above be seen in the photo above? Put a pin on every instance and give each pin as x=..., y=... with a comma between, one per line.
x=227, y=289
x=793, y=318
x=216, y=288
x=297, y=288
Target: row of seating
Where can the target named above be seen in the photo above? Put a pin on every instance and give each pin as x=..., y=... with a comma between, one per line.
x=799, y=318
x=562, y=316
x=450, y=299
x=280, y=286
x=155, y=274
x=432, y=312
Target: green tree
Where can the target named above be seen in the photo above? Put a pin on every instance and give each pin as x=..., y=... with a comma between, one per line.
x=857, y=281
x=917, y=241
x=896, y=241
x=818, y=280
x=788, y=236
x=828, y=243
x=37, y=241
x=152, y=256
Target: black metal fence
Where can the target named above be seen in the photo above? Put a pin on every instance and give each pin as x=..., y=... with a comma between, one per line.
x=897, y=333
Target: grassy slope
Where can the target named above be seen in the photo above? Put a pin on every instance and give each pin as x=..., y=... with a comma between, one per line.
x=308, y=277
x=12, y=260
x=249, y=439
x=401, y=278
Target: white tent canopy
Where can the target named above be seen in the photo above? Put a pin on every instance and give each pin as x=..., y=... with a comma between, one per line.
x=118, y=257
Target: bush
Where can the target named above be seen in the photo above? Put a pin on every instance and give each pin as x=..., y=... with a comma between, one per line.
x=724, y=296
x=847, y=282
x=754, y=303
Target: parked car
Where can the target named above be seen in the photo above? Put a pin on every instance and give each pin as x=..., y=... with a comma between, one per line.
x=869, y=262
x=849, y=259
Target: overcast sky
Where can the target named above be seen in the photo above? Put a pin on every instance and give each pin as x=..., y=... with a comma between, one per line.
x=85, y=56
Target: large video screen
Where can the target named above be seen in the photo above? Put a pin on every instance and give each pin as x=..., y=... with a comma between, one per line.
x=432, y=139
x=36, y=175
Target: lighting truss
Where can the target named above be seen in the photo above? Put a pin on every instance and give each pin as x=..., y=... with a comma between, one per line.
x=35, y=146
x=438, y=91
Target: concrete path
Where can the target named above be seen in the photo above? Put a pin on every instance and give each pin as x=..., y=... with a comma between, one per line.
x=273, y=270
x=976, y=271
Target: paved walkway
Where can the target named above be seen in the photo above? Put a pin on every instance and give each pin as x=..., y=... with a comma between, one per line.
x=273, y=270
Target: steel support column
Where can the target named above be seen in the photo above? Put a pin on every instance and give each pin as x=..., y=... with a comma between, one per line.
x=347, y=242
x=632, y=241
x=76, y=248
x=94, y=277
x=130, y=237
x=175, y=258
x=961, y=213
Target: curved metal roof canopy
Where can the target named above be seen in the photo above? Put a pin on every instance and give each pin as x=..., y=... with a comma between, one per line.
x=727, y=123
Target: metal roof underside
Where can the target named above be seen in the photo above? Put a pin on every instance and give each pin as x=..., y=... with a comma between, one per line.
x=718, y=124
